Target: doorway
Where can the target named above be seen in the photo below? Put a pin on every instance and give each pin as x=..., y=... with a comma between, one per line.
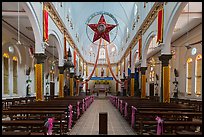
x=151, y=89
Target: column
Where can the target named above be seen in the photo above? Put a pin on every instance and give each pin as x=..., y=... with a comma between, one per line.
x=165, y=78
x=40, y=57
x=77, y=87
x=71, y=85
x=61, y=81
x=116, y=81
x=132, y=83
x=132, y=75
x=143, y=82
x=124, y=65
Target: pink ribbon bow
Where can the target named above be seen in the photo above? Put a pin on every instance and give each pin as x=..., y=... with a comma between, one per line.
x=70, y=116
x=126, y=104
x=78, y=111
x=121, y=106
x=133, y=117
x=50, y=126
x=118, y=103
x=159, y=125
x=83, y=105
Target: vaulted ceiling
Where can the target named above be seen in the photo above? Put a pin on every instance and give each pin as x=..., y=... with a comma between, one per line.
x=79, y=12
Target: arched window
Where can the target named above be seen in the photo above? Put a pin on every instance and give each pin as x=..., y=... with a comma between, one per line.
x=136, y=16
x=152, y=44
x=102, y=53
x=6, y=73
x=198, y=76
x=15, y=76
x=189, y=76
x=152, y=73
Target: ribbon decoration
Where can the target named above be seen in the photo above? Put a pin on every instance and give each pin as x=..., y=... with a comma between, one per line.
x=70, y=117
x=118, y=106
x=121, y=106
x=160, y=17
x=78, y=110
x=45, y=24
x=126, y=104
x=159, y=125
x=75, y=56
x=116, y=102
x=83, y=105
x=49, y=125
x=95, y=65
x=140, y=47
x=65, y=47
x=108, y=60
x=133, y=116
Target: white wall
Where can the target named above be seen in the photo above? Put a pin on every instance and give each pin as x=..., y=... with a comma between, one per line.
x=183, y=54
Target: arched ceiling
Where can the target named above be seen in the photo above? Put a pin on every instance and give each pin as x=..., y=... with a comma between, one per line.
x=79, y=12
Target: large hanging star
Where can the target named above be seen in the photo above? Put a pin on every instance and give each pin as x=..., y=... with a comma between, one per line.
x=101, y=29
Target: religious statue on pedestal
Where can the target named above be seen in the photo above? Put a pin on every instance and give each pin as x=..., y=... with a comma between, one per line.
x=102, y=72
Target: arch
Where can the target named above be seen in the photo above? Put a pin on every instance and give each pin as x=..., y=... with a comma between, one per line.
x=146, y=46
x=58, y=46
x=171, y=25
x=198, y=75
x=189, y=75
x=27, y=6
x=16, y=48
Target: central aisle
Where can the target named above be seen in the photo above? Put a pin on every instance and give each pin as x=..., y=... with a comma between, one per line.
x=88, y=123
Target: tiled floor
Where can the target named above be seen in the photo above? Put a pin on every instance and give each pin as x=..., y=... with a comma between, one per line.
x=88, y=124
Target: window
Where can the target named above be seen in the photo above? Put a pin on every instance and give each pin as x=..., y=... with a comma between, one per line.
x=136, y=16
x=113, y=49
x=152, y=73
x=6, y=73
x=152, y=44
x=189, y=76
x=15, y=75
x=102, y=53
x=198, y=76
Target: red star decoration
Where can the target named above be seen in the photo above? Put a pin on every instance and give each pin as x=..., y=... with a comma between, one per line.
x=101, y=29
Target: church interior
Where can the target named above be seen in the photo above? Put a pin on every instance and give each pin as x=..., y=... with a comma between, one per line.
x=101, y=68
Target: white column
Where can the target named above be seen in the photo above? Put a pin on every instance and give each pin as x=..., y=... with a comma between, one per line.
x=10, y=66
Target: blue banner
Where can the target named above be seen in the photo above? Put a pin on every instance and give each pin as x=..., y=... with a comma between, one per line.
x=101, y=78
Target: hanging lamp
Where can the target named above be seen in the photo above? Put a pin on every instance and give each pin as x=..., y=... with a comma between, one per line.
x=18, y=43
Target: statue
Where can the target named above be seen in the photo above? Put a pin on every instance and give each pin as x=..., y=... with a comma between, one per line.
x=175, y=91
x=156, y=86
x=102, y=72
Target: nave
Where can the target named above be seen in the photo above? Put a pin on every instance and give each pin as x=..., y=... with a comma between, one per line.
x=88, y=124
x=65, y=62
x=80, y=116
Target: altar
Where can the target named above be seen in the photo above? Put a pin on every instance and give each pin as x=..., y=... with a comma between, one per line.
x=101, y=87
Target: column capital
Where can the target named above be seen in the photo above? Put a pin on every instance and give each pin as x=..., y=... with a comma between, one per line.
x=40, y=57
x=86, y=80
x=143, y=70
x=164, y=58
x=132, y=75
x=61, y=69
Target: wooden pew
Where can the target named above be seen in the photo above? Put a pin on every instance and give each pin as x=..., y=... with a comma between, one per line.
x=178, y=111
x=172, y=126
x=36, y=115
x=28, y=124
